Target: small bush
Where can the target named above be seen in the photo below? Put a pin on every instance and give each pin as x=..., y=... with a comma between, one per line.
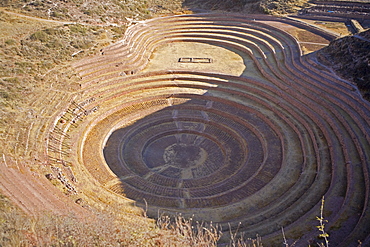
x=81, y=44
x=4, y=95
x=40, y=36
x=12, y=80
x=78, y=29
x=10, y=42
x=55, y=44
x=57, y=14
x=55, y=31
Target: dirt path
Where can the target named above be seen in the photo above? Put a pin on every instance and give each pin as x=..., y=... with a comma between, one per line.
x=55, y=21
x=33, y=193
x=312, y=43
x=37, y=18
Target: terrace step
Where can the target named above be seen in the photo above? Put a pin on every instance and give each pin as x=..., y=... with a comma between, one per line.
x=261, y=148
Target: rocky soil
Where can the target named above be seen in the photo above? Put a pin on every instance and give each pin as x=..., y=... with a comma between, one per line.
x=349, y=57
x=276, y=7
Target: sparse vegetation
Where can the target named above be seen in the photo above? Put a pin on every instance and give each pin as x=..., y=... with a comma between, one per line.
x=349, y=57
x=32, y=60
x=275, y=7
x=282, y=7
x=34, y=53
x=323, y=234
x=105, y=229
x=94, y=12
x=17, y=229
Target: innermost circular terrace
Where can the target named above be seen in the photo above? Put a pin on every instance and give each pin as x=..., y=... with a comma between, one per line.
x=184, y=156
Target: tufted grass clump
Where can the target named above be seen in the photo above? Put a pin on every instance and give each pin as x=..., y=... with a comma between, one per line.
x=323, y=234
x=188, y=232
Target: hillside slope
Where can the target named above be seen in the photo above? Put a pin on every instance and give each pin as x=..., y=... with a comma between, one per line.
x=115, y=12
x=349, y=57
x=110, y=11
x=249, y=6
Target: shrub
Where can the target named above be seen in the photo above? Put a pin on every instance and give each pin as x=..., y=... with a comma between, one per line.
x=10, y=42
x=40, y=36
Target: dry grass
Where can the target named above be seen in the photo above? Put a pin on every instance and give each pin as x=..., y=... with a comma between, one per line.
x=109, y=228
x=274, y=7
x=114, y=11
x=88, y=11
x=17, y=229
x=188, y=232
x=105, y=229
x=35, y=55
x=280, y=7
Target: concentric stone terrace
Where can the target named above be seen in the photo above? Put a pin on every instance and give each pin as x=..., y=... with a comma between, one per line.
x=221, y=117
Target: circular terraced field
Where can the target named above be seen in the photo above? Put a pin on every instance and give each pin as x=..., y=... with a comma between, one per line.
x=221, y=117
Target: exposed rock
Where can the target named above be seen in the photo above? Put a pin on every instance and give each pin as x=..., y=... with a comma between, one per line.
x=50, y=176
x=79, y=201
